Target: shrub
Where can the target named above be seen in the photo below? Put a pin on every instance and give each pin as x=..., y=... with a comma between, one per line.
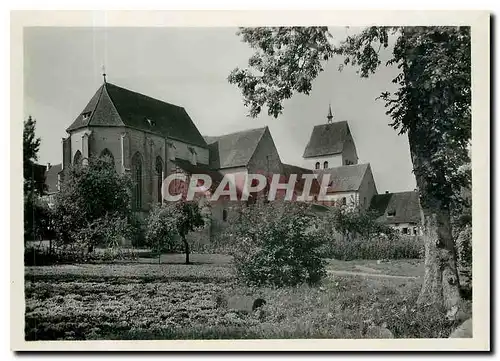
x=137, y=231
x=277, y=244
x=91, y=195
x=39, y=256
x=354, y=234
x=381, y=247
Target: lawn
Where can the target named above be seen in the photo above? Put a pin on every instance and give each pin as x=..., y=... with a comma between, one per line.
x=175, y=301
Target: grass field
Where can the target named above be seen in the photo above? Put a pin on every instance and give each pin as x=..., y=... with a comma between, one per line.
x=175, y=301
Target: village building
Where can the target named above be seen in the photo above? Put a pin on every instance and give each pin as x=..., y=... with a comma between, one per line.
x=400, y=211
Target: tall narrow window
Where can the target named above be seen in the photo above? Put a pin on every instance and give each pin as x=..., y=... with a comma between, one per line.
x=325, y=165
x=137, y=177
x=344, y=201
x=107, y=156
x=317, y=165
x=77, y=159
x=224, y=215
x=159, y=177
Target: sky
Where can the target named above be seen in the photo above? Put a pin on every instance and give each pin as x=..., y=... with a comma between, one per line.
x=189, y=67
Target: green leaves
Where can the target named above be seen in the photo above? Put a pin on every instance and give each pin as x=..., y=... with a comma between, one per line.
x=286, y=61
x=277, y=244
x=95, y=193
x=170, y=221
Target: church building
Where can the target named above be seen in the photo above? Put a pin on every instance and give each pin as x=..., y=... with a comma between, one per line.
x=150, y=139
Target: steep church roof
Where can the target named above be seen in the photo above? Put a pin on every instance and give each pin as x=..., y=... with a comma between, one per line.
x=327, y=139
x=235, y=149
x=401, y=207
x=112, y=105
x=345, y=178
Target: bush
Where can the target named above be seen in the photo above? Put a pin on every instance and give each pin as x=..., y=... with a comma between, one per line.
x=277, y=244
x=351, y=248
x=137, y=231
x=92, y=196
x=354, y=234
x=39, y=256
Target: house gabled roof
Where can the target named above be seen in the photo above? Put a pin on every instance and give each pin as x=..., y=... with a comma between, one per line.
x=345, y=178
x=51, y=178
x=404, y=205
x=235, y=149
x=327, y=139
x=112, y=105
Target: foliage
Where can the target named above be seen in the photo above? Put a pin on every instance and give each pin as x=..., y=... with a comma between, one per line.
x=38, y=218
x=352, y=233
x=286, y=60
x=357, y=223
x=33, y=179
x=170, y=221
x=161, y=229
x=377, y=248
x=108, y=230
x=277, y=244
x=42, y=256
x=36, y=213
x=464, y=252
x=432, y=102
x=137, y=231
x=93, y=204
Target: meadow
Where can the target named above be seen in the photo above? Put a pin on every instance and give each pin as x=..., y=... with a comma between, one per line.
x=169, y=300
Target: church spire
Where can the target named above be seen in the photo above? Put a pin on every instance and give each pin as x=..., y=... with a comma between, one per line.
x=104, y=73
x=329, y=116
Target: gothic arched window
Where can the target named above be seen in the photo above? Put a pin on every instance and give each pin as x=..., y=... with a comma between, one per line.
x=224, y=215
x=344, y=201
x=77, y=159
x=137, y=178
x=325, y=165
x=317, y=165
x=159, y=177
x=106, y=154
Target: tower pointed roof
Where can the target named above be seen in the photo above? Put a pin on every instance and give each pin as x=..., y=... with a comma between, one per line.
x=330, y=115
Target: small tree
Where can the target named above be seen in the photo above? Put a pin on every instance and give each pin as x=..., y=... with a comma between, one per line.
x=171, y=221
x=31, y=146
x=34, y=179
x=161, y=229
x=92, y=198
x=354, y=222
x=277, y=243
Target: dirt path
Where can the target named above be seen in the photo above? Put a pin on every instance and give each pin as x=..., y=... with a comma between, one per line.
x=366, y=274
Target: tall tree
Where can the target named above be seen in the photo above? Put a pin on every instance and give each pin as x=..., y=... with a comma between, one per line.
x=432, y=104
x=31, y=145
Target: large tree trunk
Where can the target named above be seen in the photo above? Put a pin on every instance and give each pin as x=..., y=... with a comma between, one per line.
x=186, y=248
x=441, y=285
